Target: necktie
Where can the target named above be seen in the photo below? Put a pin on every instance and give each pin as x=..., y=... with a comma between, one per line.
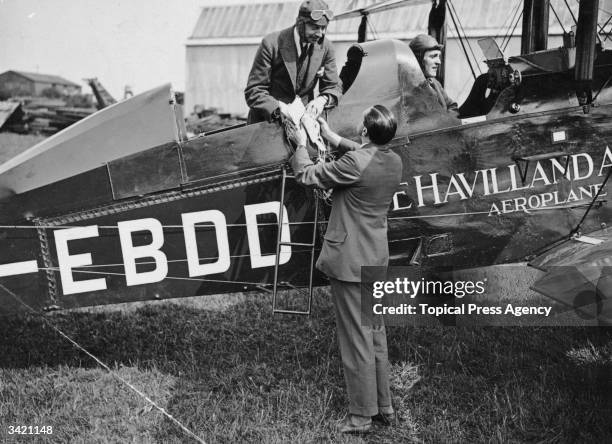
x=302, y=66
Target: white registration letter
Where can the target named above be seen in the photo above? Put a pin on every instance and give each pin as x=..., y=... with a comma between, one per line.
x=250, y=213
x=131, y=253
x=67, y=262
x=191, y=244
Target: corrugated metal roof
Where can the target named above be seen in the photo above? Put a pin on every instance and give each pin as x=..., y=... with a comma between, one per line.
x=258, y=19
x=45, y=78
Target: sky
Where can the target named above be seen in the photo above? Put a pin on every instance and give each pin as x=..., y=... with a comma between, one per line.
x=140, y=43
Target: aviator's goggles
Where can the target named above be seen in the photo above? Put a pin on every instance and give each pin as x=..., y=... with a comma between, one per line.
x=318, y=14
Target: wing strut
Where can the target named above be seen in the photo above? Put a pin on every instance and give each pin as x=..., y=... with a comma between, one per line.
x=280, y=243
x=603, y=185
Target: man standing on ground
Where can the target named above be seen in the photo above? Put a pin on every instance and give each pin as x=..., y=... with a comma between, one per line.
x=364, y=180
x=428, y=51
x=291, y=62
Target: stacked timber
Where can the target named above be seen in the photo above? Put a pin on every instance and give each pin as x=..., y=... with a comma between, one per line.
x=46, y=116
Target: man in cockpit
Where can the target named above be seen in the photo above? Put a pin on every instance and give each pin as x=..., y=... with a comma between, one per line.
x=290, y=63
x=428, y=51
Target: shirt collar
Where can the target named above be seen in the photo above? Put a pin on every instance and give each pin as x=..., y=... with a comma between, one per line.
x=298, y=41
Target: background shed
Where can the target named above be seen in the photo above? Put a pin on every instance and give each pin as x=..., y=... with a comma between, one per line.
x=33, y=84
x=220, y=51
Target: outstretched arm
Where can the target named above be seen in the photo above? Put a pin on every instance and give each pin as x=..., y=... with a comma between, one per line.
x=344, y=171
x=337, y=142
x=324, y=175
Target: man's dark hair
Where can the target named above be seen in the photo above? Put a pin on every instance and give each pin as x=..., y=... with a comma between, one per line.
x=380, y=123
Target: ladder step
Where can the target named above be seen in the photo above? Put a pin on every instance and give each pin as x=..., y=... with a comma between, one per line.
x=311, y=245
x=296, y=244
x=294, y=312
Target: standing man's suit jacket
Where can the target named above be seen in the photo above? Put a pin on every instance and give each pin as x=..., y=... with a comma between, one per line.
x=274, y=73
x=364, y=181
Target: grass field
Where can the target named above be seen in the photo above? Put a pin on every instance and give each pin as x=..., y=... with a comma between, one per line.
x=242, y=375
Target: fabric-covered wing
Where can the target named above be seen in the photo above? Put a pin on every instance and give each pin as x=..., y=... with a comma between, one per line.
x=579, y=274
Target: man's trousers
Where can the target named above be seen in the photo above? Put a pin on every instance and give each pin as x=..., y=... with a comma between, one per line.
x=364, y=353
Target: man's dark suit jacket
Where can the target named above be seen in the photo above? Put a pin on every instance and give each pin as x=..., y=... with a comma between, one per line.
x=443, y=99
x=364, y=181
x=274, y=72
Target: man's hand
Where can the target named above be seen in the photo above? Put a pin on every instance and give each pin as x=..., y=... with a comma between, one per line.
x=328, y=134
x=295, y=135
x=315, y=107
x=283, y=108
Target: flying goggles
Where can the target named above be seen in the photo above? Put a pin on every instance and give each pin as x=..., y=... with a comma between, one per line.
x=318, y=14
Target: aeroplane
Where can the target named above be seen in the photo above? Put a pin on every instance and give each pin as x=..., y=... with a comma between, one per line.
x=125, y=206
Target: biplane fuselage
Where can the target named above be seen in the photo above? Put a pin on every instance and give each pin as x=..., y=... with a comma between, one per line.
x=123, y=206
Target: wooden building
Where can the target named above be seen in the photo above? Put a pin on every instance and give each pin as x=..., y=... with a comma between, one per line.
x=220, y=51
x=33, y=84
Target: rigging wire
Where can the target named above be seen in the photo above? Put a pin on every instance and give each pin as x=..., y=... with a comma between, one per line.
x=586, y=213
x=259, y=284
x=558, y=19
x=571, y=12
x=511, y=28
x=467, y=57
x=180, y=227
x=175, y=261
x=172, y=278
x=371, y=27
x=511, y=17
x=465, y=35
x=103, y=365
x=512, y=32
x=260, y=224
x=599, y=8
x=603, y=29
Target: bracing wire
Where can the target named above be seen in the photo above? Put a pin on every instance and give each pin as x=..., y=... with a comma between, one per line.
x=259, y=224
x=372, y=30
x=172, y=278
x=601, y=27
x=450, y=3
x=511, y=27
x=104, y=365
x=512, y=32
x=467, y=57
x=114, y=227
x=510, y=17
x=558, y=19
x=176, y=261
x=571, y=12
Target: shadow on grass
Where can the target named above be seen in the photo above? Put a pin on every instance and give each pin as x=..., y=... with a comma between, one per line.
x=243, y=375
